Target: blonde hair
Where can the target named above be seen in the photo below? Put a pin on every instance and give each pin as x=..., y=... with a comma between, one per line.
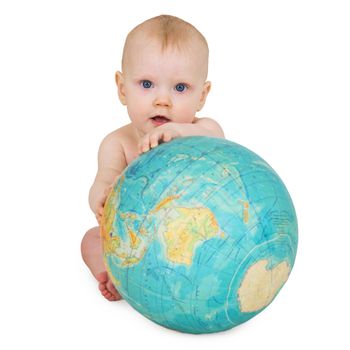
x=169, y=31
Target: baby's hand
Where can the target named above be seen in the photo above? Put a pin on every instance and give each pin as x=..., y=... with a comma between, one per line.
x=99, y=208
x=102, y=200
x=165, y=133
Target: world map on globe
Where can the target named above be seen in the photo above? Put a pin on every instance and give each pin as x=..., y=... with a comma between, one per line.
x=199, y=234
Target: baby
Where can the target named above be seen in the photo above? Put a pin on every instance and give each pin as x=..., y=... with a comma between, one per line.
x=162, y=84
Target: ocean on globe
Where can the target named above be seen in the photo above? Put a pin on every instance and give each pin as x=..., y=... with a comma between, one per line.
x=199, y=234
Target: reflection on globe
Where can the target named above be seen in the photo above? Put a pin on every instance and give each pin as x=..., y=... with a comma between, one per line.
x=199, y=234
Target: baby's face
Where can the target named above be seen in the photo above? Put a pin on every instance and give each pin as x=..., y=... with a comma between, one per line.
x=169, y=84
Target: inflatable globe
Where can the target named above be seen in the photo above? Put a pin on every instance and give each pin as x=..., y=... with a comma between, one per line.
x=199, y=234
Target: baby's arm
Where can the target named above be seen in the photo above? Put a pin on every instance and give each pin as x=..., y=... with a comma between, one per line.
x=171, y=130
x=202, y=127
x=111, y=163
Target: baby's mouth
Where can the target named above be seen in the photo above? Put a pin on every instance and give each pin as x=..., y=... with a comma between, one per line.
x=160, y=119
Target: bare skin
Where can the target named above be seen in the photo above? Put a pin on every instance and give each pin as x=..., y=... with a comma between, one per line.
x=162, y=91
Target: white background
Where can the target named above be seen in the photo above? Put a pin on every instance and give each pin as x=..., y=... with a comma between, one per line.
x=281, y=87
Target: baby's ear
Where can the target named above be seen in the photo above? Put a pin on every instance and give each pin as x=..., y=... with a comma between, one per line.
x=205, y=92
x=119, y=79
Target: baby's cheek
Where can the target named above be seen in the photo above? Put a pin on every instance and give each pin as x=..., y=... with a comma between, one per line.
x=190, y=116
x=133, y=112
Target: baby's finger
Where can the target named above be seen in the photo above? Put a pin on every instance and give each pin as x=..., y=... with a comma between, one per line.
x=98, y=218
x=145, y=144
x=145, y=148
x=167, y=136
x=154, y=140
x=100, y=210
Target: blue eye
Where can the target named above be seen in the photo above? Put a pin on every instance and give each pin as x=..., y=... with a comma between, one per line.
x=146, y=84
x=180, y=87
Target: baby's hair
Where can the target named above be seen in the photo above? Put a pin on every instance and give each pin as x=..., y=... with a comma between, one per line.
x=170, y=31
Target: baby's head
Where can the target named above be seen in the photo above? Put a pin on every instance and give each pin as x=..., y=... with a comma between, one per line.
x=164, y=71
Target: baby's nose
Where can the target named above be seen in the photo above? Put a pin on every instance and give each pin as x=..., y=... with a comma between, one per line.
x=163, y=100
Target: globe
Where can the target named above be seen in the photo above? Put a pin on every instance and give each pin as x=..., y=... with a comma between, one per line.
x=199, y=234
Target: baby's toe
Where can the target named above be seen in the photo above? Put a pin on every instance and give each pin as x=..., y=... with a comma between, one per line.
x=102, y=287
x=106, y=287
x=113, y=290
x=108, y=295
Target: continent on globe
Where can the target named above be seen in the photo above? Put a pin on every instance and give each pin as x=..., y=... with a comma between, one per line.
x=130, y=251
x=184, y=229
x=260, y=285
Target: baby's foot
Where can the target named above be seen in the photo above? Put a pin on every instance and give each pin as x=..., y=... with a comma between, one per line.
x=106, y=287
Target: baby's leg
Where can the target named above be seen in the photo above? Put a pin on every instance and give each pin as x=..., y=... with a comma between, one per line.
x=91, y=251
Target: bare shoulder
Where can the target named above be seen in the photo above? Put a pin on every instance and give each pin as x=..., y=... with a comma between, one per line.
x=211, y=124
x=204, y=120
x=119, y=136
x=112, y=141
